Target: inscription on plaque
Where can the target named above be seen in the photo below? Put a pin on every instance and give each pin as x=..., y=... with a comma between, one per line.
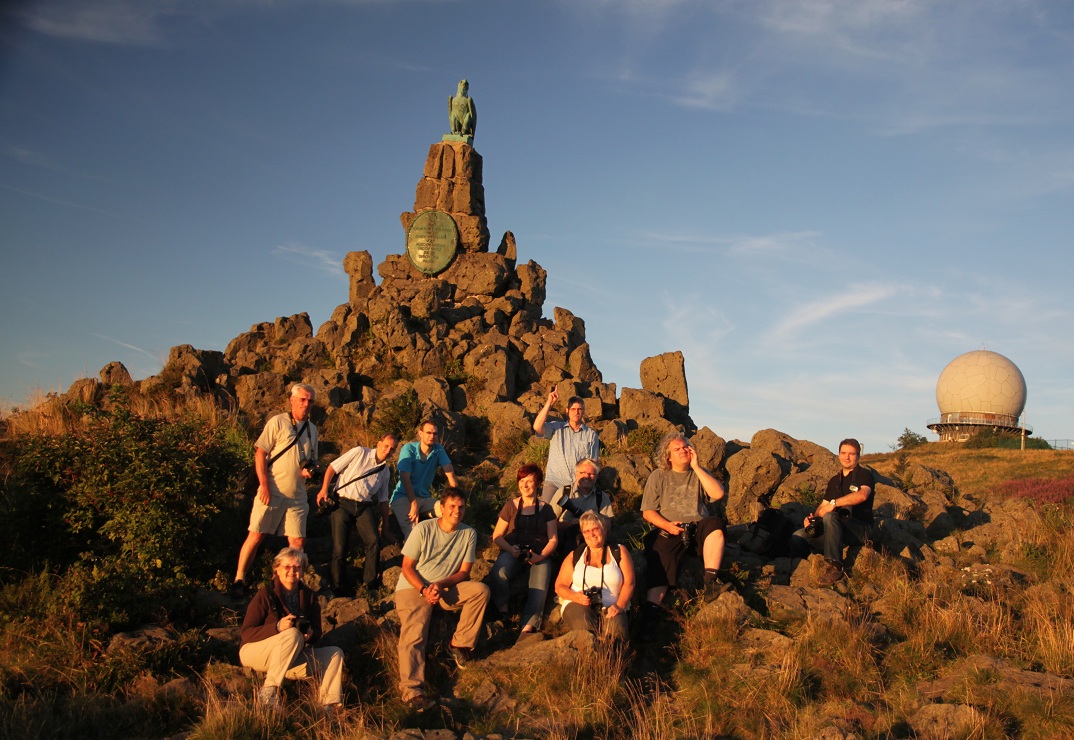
x=431, y=241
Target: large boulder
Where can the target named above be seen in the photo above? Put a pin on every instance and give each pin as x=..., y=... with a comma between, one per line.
x=641, y=405
x=359, y=266
x=115, y=373
x=753, y=475
x=665, y=375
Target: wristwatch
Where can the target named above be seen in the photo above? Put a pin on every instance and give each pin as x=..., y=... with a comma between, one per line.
x=832, y=502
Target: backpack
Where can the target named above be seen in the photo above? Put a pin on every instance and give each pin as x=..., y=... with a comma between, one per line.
x=770, y=535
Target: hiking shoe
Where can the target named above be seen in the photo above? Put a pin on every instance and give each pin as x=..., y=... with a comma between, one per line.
x=831, y=575
x=420, y=703
x=714, y=587
x=460, y=655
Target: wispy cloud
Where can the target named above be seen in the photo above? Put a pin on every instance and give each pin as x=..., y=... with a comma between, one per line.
x=72, y=204
x=318, y=259
x=34, y=359
x=825, y=308
x=131, y=347
x=31, y=158
x=127, y=22
x=715, y=90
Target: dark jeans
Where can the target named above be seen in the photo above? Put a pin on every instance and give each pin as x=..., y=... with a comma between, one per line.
x=664, y=553
x=363, y=517
x=838, y=532
x=504, y=569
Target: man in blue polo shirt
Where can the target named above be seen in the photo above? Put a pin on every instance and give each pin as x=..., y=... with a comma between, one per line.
x=570, y=441
x=418, y=461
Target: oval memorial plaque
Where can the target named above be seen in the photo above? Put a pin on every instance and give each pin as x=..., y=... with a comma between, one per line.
x=431, y=241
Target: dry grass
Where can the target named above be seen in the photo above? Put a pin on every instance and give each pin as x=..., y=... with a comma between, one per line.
x=978, y=472
x=51, y=414
x=852, y=674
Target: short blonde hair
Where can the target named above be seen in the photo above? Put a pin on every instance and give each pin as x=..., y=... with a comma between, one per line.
x=289, y=554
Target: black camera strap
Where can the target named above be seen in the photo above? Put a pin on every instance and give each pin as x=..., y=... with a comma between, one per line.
x=304, y=429
x=366, y=474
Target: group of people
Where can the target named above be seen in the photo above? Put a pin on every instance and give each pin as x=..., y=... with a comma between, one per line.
x=558, y=525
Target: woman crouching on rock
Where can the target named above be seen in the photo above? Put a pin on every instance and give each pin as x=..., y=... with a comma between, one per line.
x=596, y=582
x=526, y=535
x=282, y=621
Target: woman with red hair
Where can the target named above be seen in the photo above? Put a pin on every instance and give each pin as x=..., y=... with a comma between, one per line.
x=526, y=535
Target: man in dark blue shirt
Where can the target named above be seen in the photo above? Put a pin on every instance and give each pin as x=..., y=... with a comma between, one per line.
x=845, y=515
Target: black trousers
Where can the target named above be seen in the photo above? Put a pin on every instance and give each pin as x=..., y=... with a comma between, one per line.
x=363, y=517
x=664, y=553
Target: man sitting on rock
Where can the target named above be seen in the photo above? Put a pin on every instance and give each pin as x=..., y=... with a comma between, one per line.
x=571, y=501
x=418, y=461
x=569, y=442
x=844, y=517
x=675, y=502
x=437, y=559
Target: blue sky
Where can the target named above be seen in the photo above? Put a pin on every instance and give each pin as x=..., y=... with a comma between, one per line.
x=820, y=202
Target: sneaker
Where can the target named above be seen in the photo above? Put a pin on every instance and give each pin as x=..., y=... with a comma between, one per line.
x=831, y=575
x=714, y=587
x=269, y=696
x=420, y=703
x=461, y=655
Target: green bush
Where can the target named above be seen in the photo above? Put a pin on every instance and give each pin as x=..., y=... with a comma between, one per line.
x=909, y=439
x=124, y=508
x=644, y=439
x=990, y=438
x=399, y=416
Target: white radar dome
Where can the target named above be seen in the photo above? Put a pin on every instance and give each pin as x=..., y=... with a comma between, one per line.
x=981, y=382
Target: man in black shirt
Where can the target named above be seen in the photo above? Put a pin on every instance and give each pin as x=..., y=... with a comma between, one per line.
x=845, y=515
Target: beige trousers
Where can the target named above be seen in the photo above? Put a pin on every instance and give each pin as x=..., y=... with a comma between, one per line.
x=285, y=655
x=415, y=613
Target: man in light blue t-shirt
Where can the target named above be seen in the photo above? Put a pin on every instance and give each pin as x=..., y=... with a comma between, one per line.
x=569, y=442
x=436, y=573
x=418, y=462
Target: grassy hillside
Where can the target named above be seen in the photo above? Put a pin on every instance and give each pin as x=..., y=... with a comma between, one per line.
x=979, y=472
x=895, y=645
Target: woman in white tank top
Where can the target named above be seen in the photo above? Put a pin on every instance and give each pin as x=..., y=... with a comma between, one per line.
x=596, y=582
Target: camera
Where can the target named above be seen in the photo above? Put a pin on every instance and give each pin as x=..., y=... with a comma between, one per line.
x=572, y=507
x=593, y=593
x=815, y=528
x=303, y=623
x=525, y=552
x=567, y=504
x=689, y=529
x=310, y=466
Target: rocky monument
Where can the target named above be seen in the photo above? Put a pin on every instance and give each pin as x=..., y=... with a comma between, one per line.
x=465, y=328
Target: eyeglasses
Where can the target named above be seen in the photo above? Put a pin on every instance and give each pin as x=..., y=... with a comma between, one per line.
x=292, y=568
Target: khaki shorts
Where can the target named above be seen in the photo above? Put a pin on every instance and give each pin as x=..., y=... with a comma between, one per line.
x=286, y=516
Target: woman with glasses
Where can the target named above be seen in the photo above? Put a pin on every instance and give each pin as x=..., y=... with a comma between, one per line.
x=282, y=623
x=596, y=582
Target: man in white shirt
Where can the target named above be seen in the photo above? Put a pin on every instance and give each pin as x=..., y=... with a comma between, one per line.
x=362, y=492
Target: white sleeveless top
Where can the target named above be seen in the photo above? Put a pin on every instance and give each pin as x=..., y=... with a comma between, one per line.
x=609, y=578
